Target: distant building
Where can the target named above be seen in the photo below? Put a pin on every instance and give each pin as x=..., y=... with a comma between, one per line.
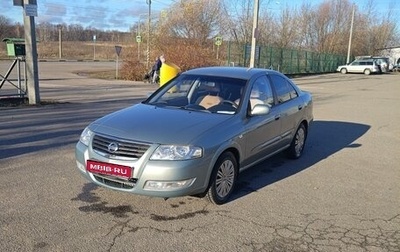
x=393, y=53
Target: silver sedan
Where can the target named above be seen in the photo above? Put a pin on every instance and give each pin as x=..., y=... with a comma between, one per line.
x=195, y=134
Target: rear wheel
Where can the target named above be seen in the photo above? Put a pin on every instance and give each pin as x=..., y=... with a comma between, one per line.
x=367, y=71
x=223, y=179
x=343, y=71
x=297, y=146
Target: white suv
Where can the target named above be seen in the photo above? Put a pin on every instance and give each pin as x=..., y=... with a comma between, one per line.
x=365, y=66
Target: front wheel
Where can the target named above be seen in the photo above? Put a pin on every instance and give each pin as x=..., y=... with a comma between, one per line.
x=223, y=179
x=297, y=146
x=367, y=72
x=343, y=70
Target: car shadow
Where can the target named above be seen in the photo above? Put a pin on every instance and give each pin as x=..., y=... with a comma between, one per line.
x=325, y=139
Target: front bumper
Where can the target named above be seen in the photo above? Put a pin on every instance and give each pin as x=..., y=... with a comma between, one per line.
x=187, y=177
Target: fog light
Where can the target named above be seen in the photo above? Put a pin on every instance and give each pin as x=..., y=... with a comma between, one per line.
x=168, y=185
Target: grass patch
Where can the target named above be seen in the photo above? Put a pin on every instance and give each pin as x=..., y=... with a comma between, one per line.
x=107, y=75
x=103, y=74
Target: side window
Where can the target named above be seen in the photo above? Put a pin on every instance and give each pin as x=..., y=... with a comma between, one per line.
x=293, y=92
x=284, y=90
x=261, y=92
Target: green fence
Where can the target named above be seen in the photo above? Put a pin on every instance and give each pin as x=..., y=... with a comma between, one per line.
x=287, y=61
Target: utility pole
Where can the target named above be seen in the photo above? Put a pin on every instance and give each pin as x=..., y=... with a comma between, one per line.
x=32, y=76
x=255, y=33
x=351, y=34
x=59, y=41
x=138, y=40
x=94, y=47
x=148, y=34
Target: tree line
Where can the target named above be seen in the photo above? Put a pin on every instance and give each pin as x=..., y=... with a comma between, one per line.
x=187, y=30
x=47, y=32
x=320, y=28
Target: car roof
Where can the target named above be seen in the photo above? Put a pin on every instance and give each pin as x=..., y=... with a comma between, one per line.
x=372, y=57
x=231, y=72
x=365, y=59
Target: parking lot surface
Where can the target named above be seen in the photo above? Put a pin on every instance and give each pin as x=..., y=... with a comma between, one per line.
x=342, y=195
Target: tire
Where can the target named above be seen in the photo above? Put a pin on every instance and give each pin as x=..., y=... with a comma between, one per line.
x=367, y=72
x=343, y=71
x=297, y=146
x=223, y=179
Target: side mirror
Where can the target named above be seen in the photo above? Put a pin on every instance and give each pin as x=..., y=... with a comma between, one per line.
x=260, y=109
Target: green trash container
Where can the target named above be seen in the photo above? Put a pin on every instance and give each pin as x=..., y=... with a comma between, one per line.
x=15, y=46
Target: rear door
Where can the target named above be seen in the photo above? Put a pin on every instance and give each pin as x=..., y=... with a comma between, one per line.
x=290, y=106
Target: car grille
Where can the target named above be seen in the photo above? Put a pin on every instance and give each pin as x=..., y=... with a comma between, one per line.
x=126, y=149
x=116, y=182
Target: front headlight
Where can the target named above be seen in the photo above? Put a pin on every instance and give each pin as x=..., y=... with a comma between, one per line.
x=86, y=136
x=176, y=152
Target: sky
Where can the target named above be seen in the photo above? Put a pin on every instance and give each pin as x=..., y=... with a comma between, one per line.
x=122, y=14
x=101, y=14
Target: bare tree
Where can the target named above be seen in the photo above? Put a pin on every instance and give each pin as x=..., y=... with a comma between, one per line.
x=238, y=20
x=305, y=39
x=5, y=27
x=286, y=29
x=326, y=27
x=45, y=32
x=18, y=30
x=378, y=32
x=193, y=19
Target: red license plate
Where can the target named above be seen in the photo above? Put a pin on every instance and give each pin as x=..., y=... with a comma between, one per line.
x=109, y=169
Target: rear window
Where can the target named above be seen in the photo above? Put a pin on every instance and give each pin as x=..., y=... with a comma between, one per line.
x=369, y=63
x=284, y=90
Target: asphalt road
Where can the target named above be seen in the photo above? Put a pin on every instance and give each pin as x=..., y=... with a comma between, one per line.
x=342, y=195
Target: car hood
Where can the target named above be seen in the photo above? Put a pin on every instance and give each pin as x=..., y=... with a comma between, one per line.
x=153, y=124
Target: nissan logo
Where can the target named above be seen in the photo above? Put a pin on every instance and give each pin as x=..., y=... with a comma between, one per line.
x=112, y=147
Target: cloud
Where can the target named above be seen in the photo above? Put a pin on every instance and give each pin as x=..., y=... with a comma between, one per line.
x=52, y=13
x=100, y=14
x=55, y=10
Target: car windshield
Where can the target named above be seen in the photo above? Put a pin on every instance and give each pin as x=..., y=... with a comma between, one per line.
x=211, y=94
